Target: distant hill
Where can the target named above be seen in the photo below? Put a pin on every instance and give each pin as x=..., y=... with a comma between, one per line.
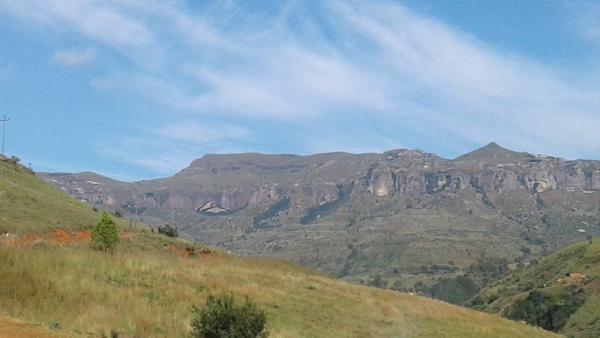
x=561, y=292
x=494, y=153
x=403, y=218
x=53, y=285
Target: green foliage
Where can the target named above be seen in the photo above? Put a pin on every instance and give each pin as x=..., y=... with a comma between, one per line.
x=105, y=235
x=168, y=231
x=488, y=269
x=455, y=290
x=223, y=318
x=549, y=309
x=378, y=281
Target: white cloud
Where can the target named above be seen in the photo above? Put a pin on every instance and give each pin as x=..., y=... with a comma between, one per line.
x=172, y=147
x=377, y=60
x=195, y=133
x=74, y=57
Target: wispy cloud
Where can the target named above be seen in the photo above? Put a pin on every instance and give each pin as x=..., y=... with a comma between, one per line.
x=404, y=75
x=173, y=146
x=74, y=57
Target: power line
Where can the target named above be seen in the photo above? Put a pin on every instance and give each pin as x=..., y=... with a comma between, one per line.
x=4, y=119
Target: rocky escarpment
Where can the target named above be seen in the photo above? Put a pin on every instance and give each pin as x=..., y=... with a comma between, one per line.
x=341, y=212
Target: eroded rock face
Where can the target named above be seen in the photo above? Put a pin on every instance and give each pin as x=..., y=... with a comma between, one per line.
x=340, y=211
x=248, y=181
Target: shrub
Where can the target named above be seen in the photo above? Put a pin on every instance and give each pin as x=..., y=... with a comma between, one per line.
x=105, y=235
x=168, y=230
x=549, y=309
x=455, y=290
x=378, y=282
x=223, y=318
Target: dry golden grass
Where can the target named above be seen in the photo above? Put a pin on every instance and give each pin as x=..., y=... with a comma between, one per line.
x=12, y=328
x=147, y=288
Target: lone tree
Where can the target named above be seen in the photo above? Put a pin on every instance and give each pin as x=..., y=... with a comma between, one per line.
x=168, y=230
x=223, y=318
x=105, y=235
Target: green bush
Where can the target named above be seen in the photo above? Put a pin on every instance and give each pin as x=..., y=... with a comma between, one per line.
x=378, y=282
x=455, y=290
x=223, y=318
x=549, y=309
x=105, y=235
x=168, y=230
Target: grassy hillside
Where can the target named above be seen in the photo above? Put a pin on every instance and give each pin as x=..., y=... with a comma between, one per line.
x=28, y=204
x=560, y=292
x=147, y=289
x=148, y=286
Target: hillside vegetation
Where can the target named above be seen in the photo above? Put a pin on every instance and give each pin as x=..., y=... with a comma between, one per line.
x=28, y=204
x=560, y=292
x=148, y=286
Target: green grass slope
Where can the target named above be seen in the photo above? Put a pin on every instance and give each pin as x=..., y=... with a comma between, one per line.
x=561, y=292
x=29, y=204
x=148, y=286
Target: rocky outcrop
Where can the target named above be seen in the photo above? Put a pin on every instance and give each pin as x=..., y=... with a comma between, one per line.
x=339, y=212
x=313, y=181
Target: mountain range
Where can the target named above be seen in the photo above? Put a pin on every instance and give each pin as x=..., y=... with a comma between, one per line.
x=404, y=218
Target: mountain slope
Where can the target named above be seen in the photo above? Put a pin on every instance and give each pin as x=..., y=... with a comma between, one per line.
x=147, y=287
x=494, y=153
x=405, y=218
x=560, y=292
x=27, y=204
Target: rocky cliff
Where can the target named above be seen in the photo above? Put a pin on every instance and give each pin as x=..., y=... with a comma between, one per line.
x=397, y=214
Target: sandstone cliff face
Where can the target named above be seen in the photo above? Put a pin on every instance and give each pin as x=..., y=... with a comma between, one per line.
x=232, y=183
x=396, y=204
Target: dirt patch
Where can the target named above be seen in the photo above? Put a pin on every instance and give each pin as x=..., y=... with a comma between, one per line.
x=56, y=236
x=11, y=328
x=60, y=237
x=83, y=235
x=29, y=240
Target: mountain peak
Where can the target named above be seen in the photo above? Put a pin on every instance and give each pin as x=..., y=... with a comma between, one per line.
x=493, y=151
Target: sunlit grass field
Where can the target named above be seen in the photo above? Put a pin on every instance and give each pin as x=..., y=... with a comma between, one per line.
x=148, y=286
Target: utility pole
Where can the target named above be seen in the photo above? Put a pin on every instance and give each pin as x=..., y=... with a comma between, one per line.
x=4, y=119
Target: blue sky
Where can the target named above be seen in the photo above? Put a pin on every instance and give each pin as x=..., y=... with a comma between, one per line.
x=138, y=89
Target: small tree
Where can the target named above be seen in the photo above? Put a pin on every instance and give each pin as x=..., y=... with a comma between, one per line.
x=168, y=230
x=105, y=235
x=223, y=318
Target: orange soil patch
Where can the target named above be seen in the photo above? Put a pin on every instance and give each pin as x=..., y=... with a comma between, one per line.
x=29, y=239
x=11, y=328
x=56, y=236
x=179, y=251
x=60, y=237
x=83, y=235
